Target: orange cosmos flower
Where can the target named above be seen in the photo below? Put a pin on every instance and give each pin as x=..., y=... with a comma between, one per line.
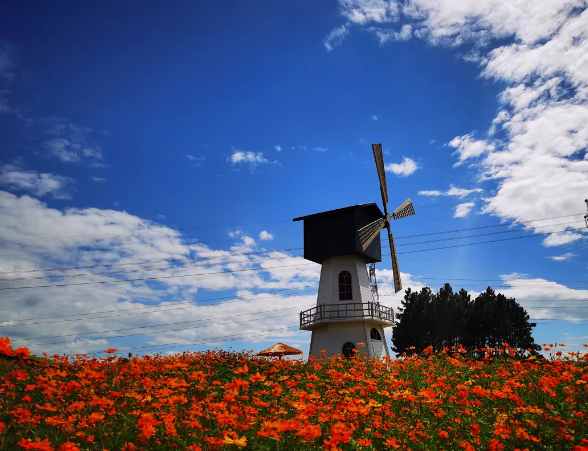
x=443, y=434
x=240, y=442
x=69, y=446
x=128, y=446
x=22, y=353
x=257, y=377
x=37, y=445
x=242, y=370
x=391, y=442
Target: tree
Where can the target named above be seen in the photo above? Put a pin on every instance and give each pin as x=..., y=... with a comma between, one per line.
x=447, y=319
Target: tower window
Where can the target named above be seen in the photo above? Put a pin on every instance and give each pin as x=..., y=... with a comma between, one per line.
x=348, y=349
x=375, y=334
x=345, y=286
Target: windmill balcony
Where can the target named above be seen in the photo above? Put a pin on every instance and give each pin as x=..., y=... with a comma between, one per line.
x=366, y=311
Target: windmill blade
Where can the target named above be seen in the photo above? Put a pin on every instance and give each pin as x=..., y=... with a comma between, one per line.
x=379, y=157
x=395, y=269
x=405, y=210
x=368, y=233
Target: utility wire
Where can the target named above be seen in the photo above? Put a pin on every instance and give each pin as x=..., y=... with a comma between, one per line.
x=81, y=334
x=483, y=234
x=83, y=340
x=153, y=278
x=205, y=263
x=167, y=304
x=484, y=242
x=230, y=338
x=486, y=227
x=155, y=226
x=173, y=260
x=250, y=261
x=174, y=245
x=287, y=250
x=187, y=328
x=261, y=269
x=157, y=311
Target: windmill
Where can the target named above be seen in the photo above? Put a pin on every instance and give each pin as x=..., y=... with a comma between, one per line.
x=343, y=242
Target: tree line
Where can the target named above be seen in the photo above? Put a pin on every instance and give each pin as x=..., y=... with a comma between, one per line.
x=449, y=318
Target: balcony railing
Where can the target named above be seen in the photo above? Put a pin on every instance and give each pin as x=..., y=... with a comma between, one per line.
x=346, y=311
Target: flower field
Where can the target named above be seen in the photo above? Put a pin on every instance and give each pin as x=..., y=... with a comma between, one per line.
x=231, y=401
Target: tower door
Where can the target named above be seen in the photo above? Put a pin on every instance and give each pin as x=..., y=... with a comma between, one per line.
x=377, y=343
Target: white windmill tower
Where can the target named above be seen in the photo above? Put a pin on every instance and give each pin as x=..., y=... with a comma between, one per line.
x=343, y=242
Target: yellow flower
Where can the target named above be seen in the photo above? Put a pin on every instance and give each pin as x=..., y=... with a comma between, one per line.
x=241, y=442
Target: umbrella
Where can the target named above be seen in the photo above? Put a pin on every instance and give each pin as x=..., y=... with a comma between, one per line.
x=279, y=350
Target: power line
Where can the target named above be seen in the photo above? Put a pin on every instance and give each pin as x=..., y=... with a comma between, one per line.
x=157, y=311
x=160, y=325
x=205, y=263
x=503, y=197
x=261, y=269
x=168, y=260
x=154, y=227
x=251, y=261
x=162, y=331
x=483, y=234
x=185, y=328
x=484, y=242
x=277, y=250
x=164, y=246
x=234, y=338
x=498, y=280
x=487, y=226
x=152, y=278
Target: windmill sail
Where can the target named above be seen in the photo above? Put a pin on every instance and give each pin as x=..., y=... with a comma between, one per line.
x=368, y=233
x=395, y=269
x=379, y=157
x=406, y=209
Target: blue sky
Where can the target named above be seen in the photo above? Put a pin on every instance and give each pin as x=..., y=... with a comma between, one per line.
x=128, y=131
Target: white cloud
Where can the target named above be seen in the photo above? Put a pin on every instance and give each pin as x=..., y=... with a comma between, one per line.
x=385, y=35
x=467, y=147
x=525, y=290
x=462, y=210
x=38, y=184
x=404, y=169
x=278, y=147
x=452, y=191
x=365, y=11
x=194, y=161
x=538, y=49
x=87, y=237
x=432, y=141
x=320, y=149
x=234, y=234
x=461, y=192
x=265, y=235
x=561, y=238
x=252, y=159
x=374, y=117
x=335, y=37
x=563, y=257
x=71, y=143
x=98, y=179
